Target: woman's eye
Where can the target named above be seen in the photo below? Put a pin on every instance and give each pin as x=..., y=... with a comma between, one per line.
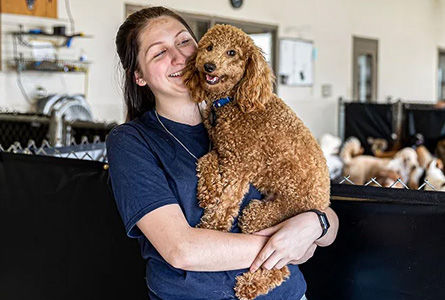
x=209, y=47
x=231, y=52
x=185, y=42
x=159, y=54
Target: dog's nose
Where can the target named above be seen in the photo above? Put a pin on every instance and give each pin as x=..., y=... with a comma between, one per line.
x=209, y=67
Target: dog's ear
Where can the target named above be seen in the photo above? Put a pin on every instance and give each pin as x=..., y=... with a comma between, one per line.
x=255, y=88
x=191, y=80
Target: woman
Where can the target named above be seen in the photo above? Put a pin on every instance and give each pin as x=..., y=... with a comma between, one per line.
x=152, y=162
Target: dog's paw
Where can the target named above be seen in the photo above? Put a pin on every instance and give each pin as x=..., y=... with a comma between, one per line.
x=251, y=285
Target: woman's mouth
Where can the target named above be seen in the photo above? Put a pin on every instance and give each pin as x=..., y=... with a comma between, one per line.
x=176, y=74
x=212, y=79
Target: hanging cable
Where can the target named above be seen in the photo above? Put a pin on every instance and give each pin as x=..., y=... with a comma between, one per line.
x=22, y=89
x=19, y=65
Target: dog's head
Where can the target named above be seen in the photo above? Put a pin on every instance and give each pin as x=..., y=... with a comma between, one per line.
x=228, y=63
x=409, y=158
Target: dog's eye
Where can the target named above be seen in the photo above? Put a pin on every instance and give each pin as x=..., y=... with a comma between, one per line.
x=231, y=53
x=209, y=48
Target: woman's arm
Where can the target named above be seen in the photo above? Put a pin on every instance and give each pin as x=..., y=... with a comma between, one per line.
x=330, y=236
x=295, y=240
x=196, y=249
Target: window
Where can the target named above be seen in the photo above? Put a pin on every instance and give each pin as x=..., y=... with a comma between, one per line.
x=441, y=76
x=364, y=73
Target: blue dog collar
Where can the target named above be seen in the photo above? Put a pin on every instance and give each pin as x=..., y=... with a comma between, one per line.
x=216, y=104
x=221, y=102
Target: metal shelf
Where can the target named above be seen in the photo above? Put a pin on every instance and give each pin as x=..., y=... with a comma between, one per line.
x=81, y=35
x=65, y=66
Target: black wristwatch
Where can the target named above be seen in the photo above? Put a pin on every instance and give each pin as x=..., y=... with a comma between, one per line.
x=323, y=221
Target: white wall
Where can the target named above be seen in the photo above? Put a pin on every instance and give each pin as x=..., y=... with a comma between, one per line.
x=409, y=34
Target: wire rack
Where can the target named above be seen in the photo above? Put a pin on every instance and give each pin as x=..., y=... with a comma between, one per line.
x=85, y=150
x=96, y=150
x=373, y=181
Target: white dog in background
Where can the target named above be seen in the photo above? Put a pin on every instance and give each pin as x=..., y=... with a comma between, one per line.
x=330, y=145
x=361, y=168
x=435, y=177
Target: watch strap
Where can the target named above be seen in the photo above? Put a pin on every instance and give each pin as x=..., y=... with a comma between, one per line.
x=323, y=221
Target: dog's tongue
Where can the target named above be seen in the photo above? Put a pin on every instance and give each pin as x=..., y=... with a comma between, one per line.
x=211, y=78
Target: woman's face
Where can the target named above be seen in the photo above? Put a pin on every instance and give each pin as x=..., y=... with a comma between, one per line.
x=164, y=46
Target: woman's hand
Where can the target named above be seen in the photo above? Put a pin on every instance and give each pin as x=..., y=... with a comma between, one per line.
x=291, y=241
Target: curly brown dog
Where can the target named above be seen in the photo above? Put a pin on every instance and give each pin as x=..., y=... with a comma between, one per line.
x=256, y=139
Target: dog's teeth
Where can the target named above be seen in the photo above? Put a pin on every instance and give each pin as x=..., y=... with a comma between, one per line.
x=212, y=79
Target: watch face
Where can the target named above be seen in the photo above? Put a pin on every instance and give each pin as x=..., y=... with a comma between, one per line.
x=236, y=3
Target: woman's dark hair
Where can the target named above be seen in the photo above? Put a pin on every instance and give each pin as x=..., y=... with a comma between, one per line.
x=138, y=99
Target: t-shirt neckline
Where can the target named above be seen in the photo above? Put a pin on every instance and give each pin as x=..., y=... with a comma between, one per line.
x=173, y=124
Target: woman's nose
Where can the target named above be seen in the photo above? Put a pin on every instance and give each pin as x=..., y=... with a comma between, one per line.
x=178, y=56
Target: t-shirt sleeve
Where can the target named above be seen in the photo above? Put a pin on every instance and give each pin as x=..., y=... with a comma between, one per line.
x=137, y=179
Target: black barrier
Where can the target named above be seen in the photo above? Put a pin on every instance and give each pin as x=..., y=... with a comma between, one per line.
x=390, y=246
x=428, y=121
x=364, y=120
x=62, y=238
x=61, y=235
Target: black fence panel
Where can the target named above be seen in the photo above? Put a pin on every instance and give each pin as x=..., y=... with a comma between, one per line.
x=364, y=120
x=62, y=238
x=390, y=246
x=61, y=234
x=428, y=121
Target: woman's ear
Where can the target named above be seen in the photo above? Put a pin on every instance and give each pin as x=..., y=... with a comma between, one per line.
x=192, y=81
x=255, y=88
x=138, y=79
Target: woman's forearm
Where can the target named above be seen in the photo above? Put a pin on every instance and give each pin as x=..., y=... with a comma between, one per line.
x=211, y=250
x=197, y=249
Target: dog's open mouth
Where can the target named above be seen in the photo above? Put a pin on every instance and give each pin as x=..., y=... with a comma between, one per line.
x=212, y=79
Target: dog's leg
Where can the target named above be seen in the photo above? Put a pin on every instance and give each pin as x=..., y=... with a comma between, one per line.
x=220, y=215
x=210, y=184
x=260, y=214
x=295, y=196
x=251, y=285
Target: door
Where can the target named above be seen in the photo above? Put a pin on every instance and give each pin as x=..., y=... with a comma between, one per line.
x=441, y=76
x=364, y=73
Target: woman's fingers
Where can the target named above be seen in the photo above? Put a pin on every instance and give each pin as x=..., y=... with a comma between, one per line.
x=282, y=263
x=262, y=256
x=272, y=260
x=269, y=231
x=291, y=240
x=309, y=253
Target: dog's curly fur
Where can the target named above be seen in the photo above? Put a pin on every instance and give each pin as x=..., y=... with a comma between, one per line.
x=256, y=139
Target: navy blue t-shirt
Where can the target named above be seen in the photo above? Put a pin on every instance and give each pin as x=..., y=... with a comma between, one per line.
x=149, y=169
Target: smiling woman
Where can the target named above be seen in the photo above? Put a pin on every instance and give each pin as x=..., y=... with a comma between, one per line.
x=142, y=41
x=165, y=46
x=152, y=160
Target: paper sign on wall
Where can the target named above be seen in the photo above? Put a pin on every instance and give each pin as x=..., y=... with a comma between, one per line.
x=296, y=62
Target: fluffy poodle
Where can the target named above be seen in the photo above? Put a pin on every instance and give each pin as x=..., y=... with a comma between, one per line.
x=256, y=139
